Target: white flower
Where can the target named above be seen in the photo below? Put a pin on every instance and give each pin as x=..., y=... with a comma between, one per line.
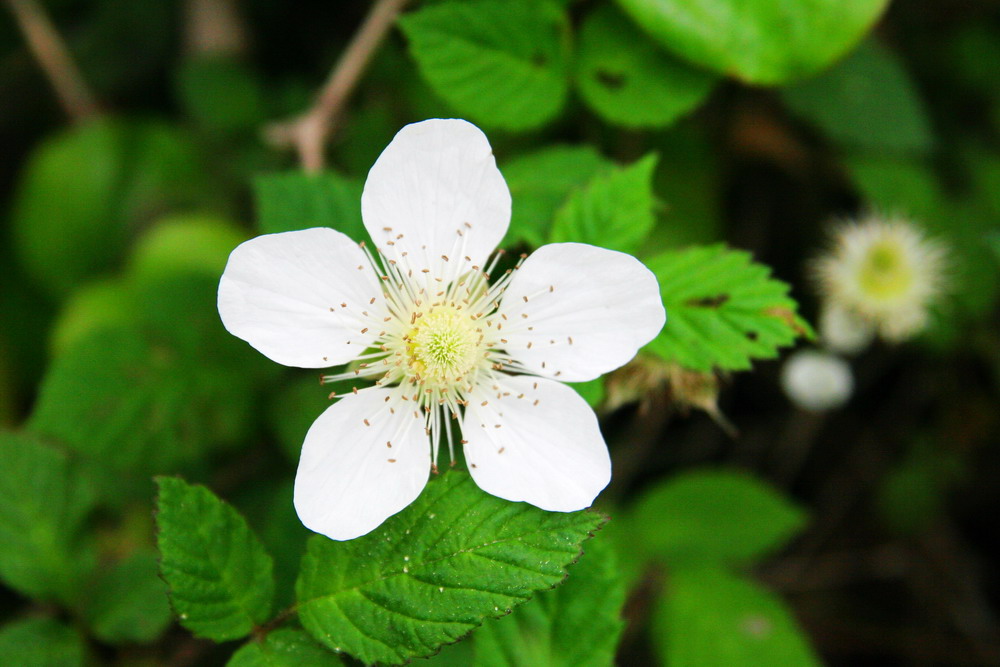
x=817, y=381
x=445, y=348
x=884, y=273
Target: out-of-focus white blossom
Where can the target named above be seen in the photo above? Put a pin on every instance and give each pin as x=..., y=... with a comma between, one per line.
x=817, y=381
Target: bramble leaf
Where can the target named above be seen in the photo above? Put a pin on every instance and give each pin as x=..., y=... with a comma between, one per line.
x=41, y=642
x=288, y=647
x=296, y=200
x=220, y=578
x=757, y=41
x=435, y=571
x=723, y=309
x=629, y=80
x=614, y=210
x=502, y=63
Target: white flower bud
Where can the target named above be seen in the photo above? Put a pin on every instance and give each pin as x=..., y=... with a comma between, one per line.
x=817, y=381
x=844, y=332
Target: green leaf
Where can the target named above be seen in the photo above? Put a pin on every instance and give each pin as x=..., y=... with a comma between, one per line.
x=220, y=93
x=723, y=309
x=711, y=516
x=294, y=405
x=614, y=210
x=191, y=243
x=41, y=642
x=547, y=630
x=295, y=200
x=501, y=63
x=710, y=618
x=46, y=498
x=435, y=571
x=628, y=80
x=127, y=602
x=64, y=223
x=866, y=101
x=758, y=41
x=161, y=391
x=288, y=647
x=91, y=307
x=220, y=577
x=541, y=181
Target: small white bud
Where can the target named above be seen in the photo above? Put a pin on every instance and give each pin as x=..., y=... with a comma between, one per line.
x=817, y=381
x=844, y=332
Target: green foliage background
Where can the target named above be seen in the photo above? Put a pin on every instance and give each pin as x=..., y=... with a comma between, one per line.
x=147, y=456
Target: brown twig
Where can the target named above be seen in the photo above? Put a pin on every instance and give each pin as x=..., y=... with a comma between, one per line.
x=308, y=133
x=53, y=56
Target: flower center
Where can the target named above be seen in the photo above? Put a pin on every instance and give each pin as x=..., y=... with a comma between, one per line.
x=444, y=344
x=885, y=273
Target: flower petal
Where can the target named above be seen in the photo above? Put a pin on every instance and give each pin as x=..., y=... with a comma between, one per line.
x=539, y=443
x=576, y=311
x=349, y=479
x=299, y=297
x=437, y=185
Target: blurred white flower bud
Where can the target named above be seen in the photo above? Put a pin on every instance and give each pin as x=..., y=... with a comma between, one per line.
x=844, y=332
x=817, y=381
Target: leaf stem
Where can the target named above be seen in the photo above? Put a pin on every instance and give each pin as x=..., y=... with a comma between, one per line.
x=308, y=133
x=53, y=56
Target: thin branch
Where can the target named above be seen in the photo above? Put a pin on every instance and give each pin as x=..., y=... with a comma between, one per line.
x=53, y=56
x=308, y=133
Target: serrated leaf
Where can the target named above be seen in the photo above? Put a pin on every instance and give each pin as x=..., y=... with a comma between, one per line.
x=541, y=181
x=295, y=200
x=629, y=80
x=758, y=41
x=865, y=101
x=723, y=309
x=45, y=499
x=710, y=618
x=288, y=647
x=614, y=210
x=547, y=630
x=41, y=642
x=501, y=63
x=127, y=602
x=220, y=578
x=434, y=571
x=162, y=390
x=712, y=516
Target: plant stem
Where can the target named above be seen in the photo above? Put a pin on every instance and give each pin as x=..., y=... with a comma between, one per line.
x=308, y=133
x=54, y=58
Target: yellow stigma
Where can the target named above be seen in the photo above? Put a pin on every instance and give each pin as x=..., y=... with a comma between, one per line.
x=444, y=344
x=884, y=272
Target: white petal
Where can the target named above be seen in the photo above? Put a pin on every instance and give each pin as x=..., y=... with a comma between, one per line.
x=349, y=480
x=576, y=311
x=284, y=294
x=435, y=179
x=547, y=450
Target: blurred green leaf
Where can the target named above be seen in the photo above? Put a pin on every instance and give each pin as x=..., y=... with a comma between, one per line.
x=435, y=571
x=629, y=80
x=712, y=516
x=41, y=642
x=295, y=200
x=710, y=618
x=757, y=41
x=159, y=393
x=64, y=221
x=541, y=181
x=91, y=307
x=46, y=497
x=867, y=100
x=591, y=391
x=577, y=624
x=198, y=243
x=220, y=578
x=85, y=190
x=614, y=210
x=502, y=63
x=127, y=602
x=294, y=405
x=723, y=309
x=220, y=93
x=288, y=647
